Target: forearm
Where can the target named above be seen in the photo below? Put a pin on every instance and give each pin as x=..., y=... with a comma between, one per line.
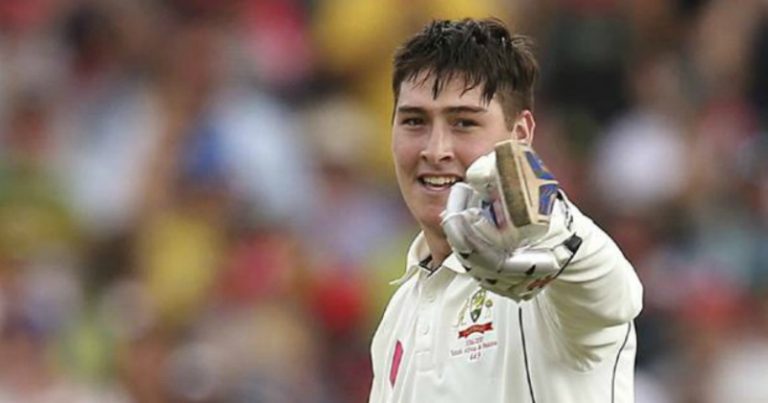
x=591, y=303
x=599, y=286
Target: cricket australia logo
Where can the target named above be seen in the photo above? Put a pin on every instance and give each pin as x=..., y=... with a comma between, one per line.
x=476, y=302
x=475, y=327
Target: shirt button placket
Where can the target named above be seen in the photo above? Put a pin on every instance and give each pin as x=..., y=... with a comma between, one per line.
x=424, y=327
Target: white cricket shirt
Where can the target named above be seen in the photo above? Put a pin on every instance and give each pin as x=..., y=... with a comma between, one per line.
x=444, y=339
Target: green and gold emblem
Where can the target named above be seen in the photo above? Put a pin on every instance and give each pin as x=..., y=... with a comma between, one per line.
x=476, y=304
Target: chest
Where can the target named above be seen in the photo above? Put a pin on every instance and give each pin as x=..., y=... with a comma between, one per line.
x=444, y=332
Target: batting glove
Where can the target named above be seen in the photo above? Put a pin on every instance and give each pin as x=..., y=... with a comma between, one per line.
x=485, y=232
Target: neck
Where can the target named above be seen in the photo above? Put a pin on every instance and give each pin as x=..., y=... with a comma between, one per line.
x=438, y=246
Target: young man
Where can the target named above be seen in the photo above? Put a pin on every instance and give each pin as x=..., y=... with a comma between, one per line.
x=478, y=318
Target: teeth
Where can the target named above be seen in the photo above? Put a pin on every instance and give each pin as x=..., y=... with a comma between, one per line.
x=439, y=180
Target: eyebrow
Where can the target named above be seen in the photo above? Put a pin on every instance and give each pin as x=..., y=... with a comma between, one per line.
x=452, y=110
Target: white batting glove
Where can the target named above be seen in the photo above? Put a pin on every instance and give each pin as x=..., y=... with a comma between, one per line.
x=512, y=262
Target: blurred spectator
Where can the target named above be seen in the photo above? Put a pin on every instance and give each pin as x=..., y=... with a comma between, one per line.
x=353, y=217
x=37, y=223
x=105, y=120
x=640, y=162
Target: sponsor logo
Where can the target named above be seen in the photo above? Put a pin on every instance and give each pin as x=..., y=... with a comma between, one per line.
x=538, y=167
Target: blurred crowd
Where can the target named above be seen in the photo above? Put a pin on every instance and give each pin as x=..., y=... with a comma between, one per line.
x=197, y=202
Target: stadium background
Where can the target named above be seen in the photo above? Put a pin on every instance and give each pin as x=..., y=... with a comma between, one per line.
x=197, y=202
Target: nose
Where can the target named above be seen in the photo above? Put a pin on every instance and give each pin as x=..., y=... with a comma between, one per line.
x=439, y=147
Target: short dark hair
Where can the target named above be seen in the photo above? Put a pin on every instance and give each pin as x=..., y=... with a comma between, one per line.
x=481, y=52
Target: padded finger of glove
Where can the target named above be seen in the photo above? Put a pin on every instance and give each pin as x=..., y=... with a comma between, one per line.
x=453, y=223
x=531, y=262
x=481, y=174
x=459, y=198
x=504, y=288
x=456, y=229
x=485, y=261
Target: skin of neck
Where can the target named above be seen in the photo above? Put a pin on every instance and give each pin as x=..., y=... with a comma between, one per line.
x=438, y=246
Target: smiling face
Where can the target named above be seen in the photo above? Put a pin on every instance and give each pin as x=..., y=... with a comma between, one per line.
x=435, y=139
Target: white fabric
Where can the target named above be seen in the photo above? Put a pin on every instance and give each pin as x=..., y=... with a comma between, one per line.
x=578, y=333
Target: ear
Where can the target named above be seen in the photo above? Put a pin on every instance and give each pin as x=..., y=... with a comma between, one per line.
x=524, y=127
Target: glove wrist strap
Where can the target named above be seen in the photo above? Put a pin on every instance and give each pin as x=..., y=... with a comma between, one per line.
x=565, y=251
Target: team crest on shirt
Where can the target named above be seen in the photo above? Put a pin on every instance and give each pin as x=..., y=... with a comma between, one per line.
x=476, y=305
x=476, y=333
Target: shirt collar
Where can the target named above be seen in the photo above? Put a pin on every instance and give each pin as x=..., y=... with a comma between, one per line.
x=418, y=253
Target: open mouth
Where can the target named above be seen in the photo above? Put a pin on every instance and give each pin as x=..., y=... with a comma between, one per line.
x=438, y=182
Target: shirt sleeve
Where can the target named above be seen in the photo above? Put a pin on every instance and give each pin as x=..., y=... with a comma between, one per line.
x=588, y=307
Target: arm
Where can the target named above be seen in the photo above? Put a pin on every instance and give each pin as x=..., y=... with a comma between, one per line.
x=585, y=290
x=599, y=287
x=588, y=306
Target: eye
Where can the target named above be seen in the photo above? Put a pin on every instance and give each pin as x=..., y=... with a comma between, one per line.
x=465, y=123
x=412, y=121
